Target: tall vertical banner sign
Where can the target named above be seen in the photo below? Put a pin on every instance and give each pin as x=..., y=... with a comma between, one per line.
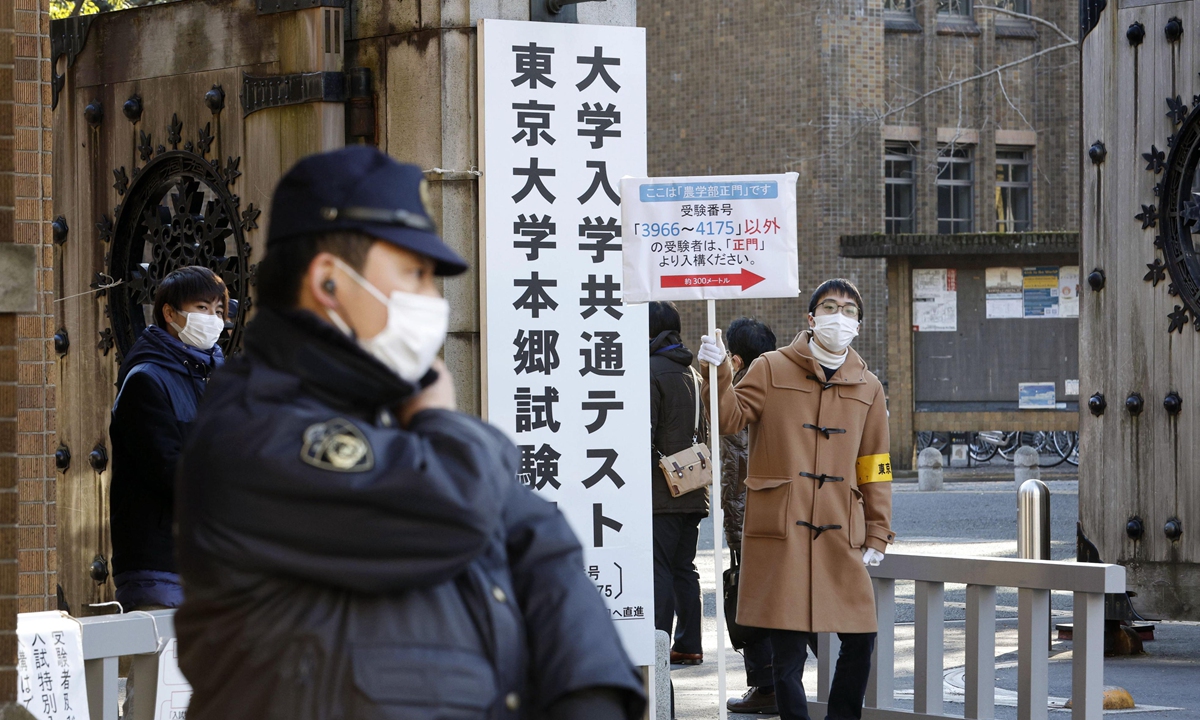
x=562, y=119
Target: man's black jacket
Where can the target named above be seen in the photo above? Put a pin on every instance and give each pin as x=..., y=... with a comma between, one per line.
x=336, y=565
x=159, y=386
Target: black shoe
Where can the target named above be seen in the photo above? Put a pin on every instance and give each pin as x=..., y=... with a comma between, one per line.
x=755, y=701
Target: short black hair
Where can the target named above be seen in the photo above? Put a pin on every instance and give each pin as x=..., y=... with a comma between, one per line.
x=281, y=272
x=189, y=284
x=837, y=286
x=748, y=338
x=664, y=316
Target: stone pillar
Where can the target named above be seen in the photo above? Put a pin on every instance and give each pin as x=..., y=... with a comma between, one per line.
x=422, y=56
x=929, y=469
x=1025, y=465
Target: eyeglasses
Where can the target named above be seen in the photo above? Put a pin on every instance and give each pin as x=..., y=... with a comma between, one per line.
x=829, y=307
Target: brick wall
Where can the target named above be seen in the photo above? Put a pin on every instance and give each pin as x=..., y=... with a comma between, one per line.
x=27, y=540
x=31, y=123
x=764, y=86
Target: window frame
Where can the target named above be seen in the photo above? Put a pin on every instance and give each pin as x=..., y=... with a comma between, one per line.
x=966, y=9
x=906, y=10
x=899, y=152
x=1016, y=7
x=1026, y=161
x=949, y=156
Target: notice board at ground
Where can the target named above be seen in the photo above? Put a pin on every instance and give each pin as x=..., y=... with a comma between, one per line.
x=1016, y=324
x=562, y=119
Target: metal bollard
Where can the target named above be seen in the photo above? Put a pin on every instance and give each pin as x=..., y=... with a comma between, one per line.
x=1033, y=527
x=1033, y=520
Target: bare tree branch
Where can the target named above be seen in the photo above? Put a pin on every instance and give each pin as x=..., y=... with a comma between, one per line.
x=1000, y=77
x=977, y=76
x=1031, y=18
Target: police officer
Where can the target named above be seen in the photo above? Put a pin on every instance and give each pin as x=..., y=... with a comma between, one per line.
x=351, y=546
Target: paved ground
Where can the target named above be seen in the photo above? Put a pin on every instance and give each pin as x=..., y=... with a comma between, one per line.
x=977, y=517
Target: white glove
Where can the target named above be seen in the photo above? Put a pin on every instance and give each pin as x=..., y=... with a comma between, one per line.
x=872, y=557
x=712, y=350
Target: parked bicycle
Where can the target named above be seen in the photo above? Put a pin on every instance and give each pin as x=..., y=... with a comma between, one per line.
x=1054, y=448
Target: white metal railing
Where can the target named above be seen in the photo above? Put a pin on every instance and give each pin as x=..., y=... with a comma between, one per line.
x=1034, y=579
x=107, y=638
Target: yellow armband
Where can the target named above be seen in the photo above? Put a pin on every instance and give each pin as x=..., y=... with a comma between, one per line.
x=874, y=468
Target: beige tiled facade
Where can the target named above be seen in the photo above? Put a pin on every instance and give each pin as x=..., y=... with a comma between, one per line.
x=820, y=88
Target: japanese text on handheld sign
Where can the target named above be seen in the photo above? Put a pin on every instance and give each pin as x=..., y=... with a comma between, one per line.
x=563, y=117
x=697, y=238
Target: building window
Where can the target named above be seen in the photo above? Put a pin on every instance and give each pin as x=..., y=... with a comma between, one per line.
x=956, y=190
x=898, y=189
x=1021, y=6
x=954, y=7
x=904, y=6
x=1014, y=191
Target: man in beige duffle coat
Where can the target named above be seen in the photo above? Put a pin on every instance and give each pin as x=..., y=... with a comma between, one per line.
x=819, y=498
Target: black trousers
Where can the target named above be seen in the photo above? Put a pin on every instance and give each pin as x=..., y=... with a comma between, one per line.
x=790, y=650
x=676, y=581
x=757, y=657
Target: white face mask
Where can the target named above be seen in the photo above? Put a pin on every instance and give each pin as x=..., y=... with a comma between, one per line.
x=415, y=331
x=199, y=330
x=835, y=332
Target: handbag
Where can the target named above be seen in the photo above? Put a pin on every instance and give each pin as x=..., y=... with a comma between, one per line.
x=740, y=636
x=689, y=469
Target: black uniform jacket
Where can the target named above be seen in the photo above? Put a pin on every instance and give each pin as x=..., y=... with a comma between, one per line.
x=336, y=565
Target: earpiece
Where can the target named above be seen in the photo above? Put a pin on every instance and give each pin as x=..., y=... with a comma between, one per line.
x=329, y=286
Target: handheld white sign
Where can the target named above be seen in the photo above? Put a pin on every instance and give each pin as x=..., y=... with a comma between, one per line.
x=709, y=238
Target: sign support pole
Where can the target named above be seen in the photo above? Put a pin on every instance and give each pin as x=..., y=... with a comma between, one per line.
x=714, y=435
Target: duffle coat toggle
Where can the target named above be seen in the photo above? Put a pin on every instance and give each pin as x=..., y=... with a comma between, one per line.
x=822, y=478
x=824, y=385
x=826, y=431
x=818, y=529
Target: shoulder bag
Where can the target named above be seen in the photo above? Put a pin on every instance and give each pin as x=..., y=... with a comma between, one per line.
x=690, y=469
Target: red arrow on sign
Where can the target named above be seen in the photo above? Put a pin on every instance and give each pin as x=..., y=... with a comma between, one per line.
x=745, y=278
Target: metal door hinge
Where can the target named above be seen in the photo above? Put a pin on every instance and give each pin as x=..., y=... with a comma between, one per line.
x=295, y=89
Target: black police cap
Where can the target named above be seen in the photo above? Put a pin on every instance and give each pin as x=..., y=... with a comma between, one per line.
x=359, y=188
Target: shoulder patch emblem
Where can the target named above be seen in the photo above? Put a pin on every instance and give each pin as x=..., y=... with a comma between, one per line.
x=337, y=445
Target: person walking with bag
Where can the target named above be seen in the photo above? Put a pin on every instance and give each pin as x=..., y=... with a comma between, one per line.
x=819, y=499
x=675, y=425
x=748, y=339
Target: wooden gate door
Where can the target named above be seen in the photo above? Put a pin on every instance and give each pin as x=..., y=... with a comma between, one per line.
x=1139, y=343
x=172, y=124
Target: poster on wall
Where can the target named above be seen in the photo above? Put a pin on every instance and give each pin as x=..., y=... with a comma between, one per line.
x=935, y=300
x=1005, y=292
x=1041, y=292
x=1068, y=291
x=1036, y=396
x=566, y=366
